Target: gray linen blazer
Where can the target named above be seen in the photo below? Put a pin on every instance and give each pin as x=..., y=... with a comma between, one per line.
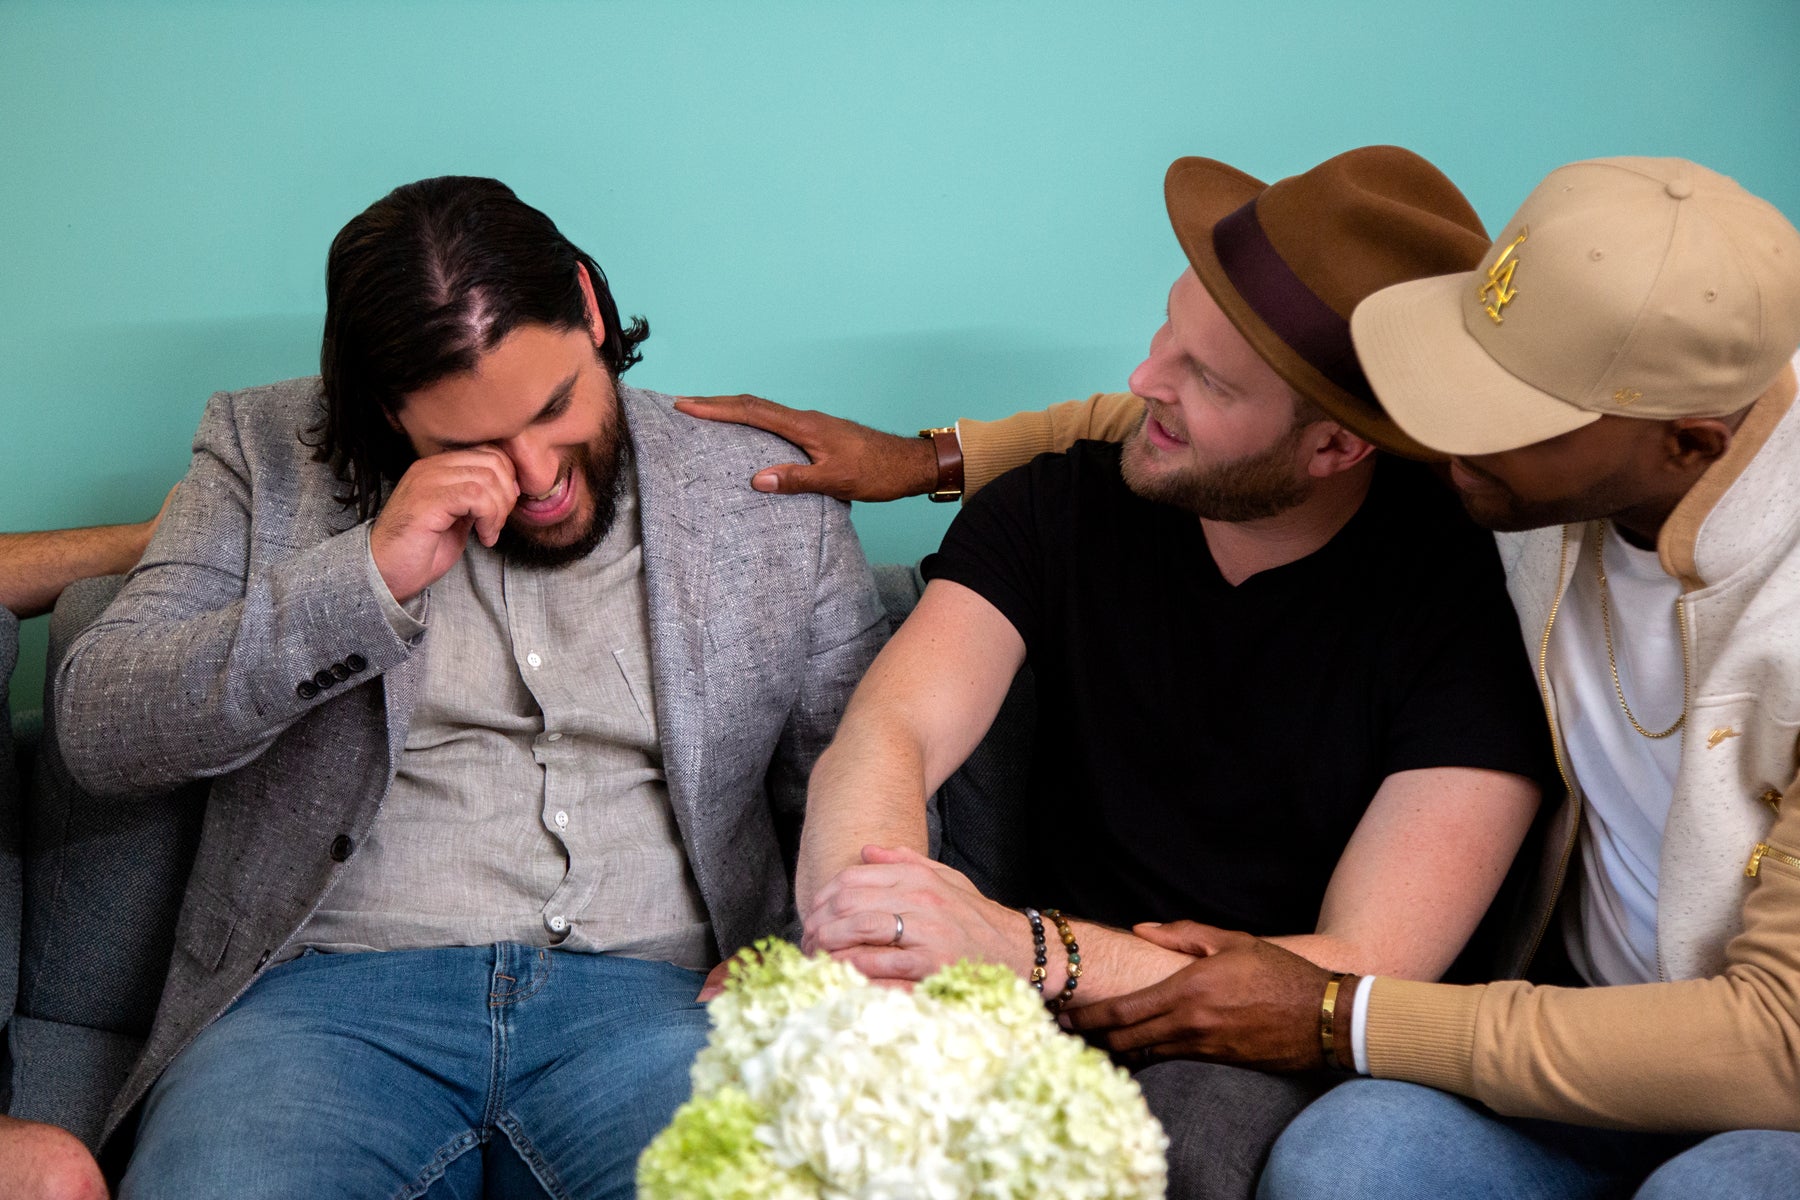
x=213, y=661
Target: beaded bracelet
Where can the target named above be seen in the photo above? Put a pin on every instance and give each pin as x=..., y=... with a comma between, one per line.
x=1037, y=947
x=1067, y=933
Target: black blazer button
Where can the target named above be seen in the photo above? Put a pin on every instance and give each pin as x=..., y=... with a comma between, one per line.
x=307, y=689
x=355, y=662
x=325, y=679
x=341, y=672
x=342, y=848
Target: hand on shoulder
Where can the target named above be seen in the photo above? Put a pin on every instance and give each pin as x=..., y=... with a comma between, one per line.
x=849, y=461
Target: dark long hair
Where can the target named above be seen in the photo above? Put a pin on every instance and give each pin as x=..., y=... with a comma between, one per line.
x=418, y=287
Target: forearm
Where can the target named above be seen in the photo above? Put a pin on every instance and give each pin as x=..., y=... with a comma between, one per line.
x=1697, y=1054
x=868, y=789
x=991, y=448
x=1113, y=963
x=1420, y=869
x=1343, y=953
x=36, y=567
x=190, y=673
x=1332, y=953
x=918, y=712
x=1706, y=1054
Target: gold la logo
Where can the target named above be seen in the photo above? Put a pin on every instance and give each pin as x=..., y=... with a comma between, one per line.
x=1500, y=281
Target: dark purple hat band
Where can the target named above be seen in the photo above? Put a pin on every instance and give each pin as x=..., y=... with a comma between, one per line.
x=1287, y=306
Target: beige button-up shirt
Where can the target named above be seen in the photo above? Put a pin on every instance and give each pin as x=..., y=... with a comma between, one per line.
x=530, y=804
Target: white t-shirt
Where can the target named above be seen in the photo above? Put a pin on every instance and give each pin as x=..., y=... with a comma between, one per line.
x=1628, y=779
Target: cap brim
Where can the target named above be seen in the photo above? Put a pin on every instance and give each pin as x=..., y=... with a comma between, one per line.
x=1439, y=384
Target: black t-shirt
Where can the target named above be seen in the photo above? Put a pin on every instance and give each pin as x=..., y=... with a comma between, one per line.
x=1203, y=750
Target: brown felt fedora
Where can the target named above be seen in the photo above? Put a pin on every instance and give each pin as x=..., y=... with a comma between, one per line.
x=1289, y=261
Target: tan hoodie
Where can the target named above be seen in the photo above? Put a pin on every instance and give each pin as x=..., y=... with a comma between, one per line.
x=1717, y=1044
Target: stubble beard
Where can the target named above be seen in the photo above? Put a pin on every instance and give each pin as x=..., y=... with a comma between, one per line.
x=1507, y=512
x=1247, y=489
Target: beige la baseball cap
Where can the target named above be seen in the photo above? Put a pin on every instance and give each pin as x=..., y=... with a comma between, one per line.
x=1645, y=287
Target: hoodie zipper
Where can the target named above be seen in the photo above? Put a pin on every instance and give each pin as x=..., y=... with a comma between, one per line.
x=1688, y=674
x=1562, y=867
x=1764, y=850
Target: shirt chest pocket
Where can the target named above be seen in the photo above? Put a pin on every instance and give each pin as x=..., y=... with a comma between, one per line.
x=1739, y=737
x=633, y=663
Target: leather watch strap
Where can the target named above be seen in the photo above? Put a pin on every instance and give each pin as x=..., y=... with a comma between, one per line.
x=949, y=463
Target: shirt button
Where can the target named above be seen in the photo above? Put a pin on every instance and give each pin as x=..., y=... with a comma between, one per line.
x=559, y=923
x=562, y=820
x=553, y=737
x=533, y=659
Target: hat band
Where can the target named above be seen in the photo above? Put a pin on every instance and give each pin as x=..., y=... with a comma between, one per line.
x=1290, y=309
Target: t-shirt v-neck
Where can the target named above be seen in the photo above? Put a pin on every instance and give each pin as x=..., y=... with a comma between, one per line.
x=1205, y=750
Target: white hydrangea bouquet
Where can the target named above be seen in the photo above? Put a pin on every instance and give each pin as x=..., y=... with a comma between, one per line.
x=817, y=1085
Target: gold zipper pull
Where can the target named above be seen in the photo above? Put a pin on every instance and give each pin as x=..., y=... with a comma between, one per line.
x=1765, y=850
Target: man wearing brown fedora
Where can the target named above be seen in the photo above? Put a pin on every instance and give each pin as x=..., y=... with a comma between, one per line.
x=1615, y=380
x=1278, y=685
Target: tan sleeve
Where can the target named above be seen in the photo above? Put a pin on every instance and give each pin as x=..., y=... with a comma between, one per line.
x=1701, y=1054
x=991, y=448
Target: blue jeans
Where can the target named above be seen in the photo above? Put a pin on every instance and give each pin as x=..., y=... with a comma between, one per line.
x=1397, y=1141
x=504, y=1071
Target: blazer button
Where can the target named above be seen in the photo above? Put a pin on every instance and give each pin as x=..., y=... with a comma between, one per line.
x=355, y=662
x=307, y=689
x=341, y=671
x=325, y=679
x=342, y=848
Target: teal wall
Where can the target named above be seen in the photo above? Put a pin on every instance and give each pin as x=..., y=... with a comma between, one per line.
x=903, y=212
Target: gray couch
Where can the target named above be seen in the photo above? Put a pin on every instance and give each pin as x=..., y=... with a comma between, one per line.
x=103, y=880
x=102, y=884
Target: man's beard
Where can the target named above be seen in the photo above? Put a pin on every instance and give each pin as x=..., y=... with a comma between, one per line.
x=1248, y=489
x=602, y=464
x=1512, y=515
x=1502, y=510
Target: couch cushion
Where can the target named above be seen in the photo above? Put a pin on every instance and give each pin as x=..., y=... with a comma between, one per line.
x=68, y=1074
x=103, y=884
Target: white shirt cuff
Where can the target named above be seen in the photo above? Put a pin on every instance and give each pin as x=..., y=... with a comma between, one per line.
x=1359, y=1025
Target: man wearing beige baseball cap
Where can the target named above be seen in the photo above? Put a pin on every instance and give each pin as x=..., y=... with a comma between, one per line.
x=1615, y=381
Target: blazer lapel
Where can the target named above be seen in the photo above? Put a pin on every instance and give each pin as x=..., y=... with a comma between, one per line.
x=676, y=557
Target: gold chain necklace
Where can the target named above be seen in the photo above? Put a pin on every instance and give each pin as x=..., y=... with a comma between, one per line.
x=1613, y=662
